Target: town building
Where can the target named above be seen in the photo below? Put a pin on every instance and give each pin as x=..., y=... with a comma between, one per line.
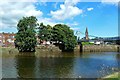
x=7, y=39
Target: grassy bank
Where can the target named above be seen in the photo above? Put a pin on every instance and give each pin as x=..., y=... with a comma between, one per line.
x=87, y=43
x=114, y=76
x=8, y=51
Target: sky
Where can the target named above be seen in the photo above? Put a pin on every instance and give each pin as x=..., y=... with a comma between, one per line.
x=99, y=16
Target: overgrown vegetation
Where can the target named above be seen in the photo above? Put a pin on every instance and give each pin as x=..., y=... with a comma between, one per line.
x=65, y=37
x=25, y=38
x=87, y=43
x=45, y=32
x=60, y=34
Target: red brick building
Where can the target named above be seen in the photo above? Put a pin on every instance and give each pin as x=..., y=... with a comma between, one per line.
x=7, y=39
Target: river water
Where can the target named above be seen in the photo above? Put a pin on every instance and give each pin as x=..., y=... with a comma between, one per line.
x=66, y=65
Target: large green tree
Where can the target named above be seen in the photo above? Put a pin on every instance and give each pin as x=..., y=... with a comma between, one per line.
x=45, y=32
x=25, y=37
x=64, y=36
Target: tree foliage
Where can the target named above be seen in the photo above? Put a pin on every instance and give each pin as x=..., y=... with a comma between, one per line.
x=45, y=32
x=60, y=33
x=65, y=36
x=25, y=38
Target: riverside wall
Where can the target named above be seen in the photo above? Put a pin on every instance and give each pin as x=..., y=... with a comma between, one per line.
x=100, y=48
x=85, y=48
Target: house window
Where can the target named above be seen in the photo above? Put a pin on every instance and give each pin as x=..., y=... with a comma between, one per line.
x=9, y=40
x=11, y=36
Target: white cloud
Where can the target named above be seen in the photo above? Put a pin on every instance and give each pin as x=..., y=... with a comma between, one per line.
x=67, y=10
x=19, y=1
x=11, y=12
x=71, y=2
x=47, y=21
x=75, y=29
x=73, y=24
x=110, y=2
x=52, y=22
x=89, y=9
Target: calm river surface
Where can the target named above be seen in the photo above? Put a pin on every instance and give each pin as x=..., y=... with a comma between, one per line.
x=89, y=65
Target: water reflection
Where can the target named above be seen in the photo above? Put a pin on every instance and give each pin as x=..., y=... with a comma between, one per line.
x=118, y=60
x=28, y=65
x=43, y=67
x=25, y=65
x=118, y=56
x=55, y=67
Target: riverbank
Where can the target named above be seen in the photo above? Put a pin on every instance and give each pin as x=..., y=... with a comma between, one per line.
x=114, y=76
x=85, y=48
x=100, y=48
x=43, y=52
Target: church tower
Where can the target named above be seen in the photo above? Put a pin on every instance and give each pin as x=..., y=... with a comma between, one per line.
x=86, y=34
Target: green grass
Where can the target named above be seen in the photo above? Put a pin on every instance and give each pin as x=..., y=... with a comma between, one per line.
x=87, y=43
x=113, y=76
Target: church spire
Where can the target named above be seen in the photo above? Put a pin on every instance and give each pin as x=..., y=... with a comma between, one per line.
x=86, y=34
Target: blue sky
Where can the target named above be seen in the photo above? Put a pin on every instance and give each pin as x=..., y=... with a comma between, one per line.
x=101, y=19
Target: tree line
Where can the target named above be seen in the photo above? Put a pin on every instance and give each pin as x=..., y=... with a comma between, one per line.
x=59, y=33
